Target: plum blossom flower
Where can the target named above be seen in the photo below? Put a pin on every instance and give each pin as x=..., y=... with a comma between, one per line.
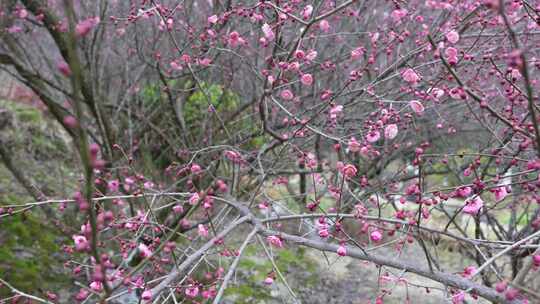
x=373, y=136
x=347, y=170
x=398, y=14
x=148, y=185
x=210, y=293
x=452, y=37
x=458, y=298
x=84, y=27
x=222, y=186
x=391, y=131
x=81, y=243
x=451, y=55
x=275, y=240
x=354, y=145
x=473, y=206
x=335, y=111
x=213, y=19
x=113, y=185
x=194, y=198
x=464, y=191
x=306, y=79
x=51, y=296
x=311, y=160
x=195, y=169
x=175, y=65
x=204, y=61
x=233, y=156
x=311, y=55
x=451, y=52
x=64, y=68
x=82, y=294
x=324, y=26
x=287, y=94
x=146, y=295
x=501, y=286
x=416, y=106
x=436, y=93
x=341, y=251
x=96, y=286
x=511, y=294
x=500, y=193
x=357, y=53
x=235, y=39
x=306, y=13
x=376, y=236
x=299, y=54
x=144, y=250
x=203, y=231
x=469, y=271
x=267, y=31
x=178, y=209
x=536, y=260
x=326, y=94
x=410, y=76
x=192, y=291
x=324, y=233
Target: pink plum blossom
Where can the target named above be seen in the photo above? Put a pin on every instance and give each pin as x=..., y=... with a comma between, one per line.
x=416, y=106
x=375, y=236
x=275, y=240
x=287, y=95
x=473, y=206
x=452, y=36
x=391, y=131
x=268, y=32
x=341, y=251
x=306, y=79
x=410, y=76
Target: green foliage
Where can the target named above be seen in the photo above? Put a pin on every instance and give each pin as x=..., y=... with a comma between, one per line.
x=27, y=114
x=254, y=268
x=33, y=132
x=211, y=94
x=28, y=244
x=27, y=254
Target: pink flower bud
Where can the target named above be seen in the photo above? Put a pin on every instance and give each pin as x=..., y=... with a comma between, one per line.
x=192, y=291
x=178, y=209
x=275, y=241
x=70, y=121
x=63, y=67
x=341, y=251
x=306, y=79
x=81, y=243
x=376, y=236
x=146, y=295
x=287, y=95
x=501, y=286
x=536, y=260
